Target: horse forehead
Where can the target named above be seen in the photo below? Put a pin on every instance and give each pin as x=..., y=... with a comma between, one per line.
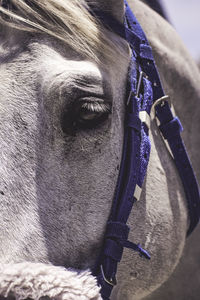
x=80, y=68
x=60, y=63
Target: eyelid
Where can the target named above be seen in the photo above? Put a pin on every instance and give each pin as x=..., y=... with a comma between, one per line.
x=96, y=105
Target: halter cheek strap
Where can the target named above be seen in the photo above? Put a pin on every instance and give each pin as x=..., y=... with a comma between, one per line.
x=145, y=91
x=170, y=126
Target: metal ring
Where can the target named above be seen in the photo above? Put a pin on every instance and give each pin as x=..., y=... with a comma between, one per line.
x=111, y=282
x=161, y=101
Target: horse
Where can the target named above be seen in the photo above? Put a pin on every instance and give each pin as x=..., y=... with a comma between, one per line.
x=63, y=88
x=157, y=5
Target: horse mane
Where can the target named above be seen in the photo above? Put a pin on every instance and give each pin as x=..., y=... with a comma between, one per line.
x=69, y=21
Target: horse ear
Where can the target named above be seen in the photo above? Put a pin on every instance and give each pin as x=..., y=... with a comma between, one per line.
x=115, y=7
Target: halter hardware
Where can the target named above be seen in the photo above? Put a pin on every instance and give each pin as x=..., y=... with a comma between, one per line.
x=145, y=118
x=129, y=98
x=136, y=149
x=142, y=74
x=137, y=193
x=111, y=281
x=161, y=101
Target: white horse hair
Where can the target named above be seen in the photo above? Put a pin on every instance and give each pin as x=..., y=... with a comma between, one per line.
x=36, y=280
x=68, y=21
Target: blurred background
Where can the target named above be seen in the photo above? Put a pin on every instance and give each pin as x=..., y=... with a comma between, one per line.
x=184, y=15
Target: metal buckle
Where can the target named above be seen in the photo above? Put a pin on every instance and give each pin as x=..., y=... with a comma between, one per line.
x=142, y=74
x=139, y=83
x=161, y=101
x=111, y=282
x=129, y=98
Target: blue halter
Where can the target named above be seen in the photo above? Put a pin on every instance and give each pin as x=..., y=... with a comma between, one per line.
x=145, y=93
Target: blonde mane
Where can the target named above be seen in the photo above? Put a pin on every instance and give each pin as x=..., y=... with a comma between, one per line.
x=68, y=21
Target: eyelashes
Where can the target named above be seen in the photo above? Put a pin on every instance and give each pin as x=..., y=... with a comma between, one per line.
x=96, y=107
x=91, y=113
x=85, y=113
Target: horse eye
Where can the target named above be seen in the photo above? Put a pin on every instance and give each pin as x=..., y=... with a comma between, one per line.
x=90, y=114
x=84, y=114
x=87, y=115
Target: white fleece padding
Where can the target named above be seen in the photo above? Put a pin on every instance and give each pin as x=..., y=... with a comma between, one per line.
x=36, y=280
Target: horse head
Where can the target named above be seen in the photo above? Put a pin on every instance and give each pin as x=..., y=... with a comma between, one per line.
x=63, y=92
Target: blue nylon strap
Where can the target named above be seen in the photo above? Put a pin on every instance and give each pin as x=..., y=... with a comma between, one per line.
x=167, y=124
x=117, y=230
x=133, y=121
x=132, y=172
x=113, y=249
x=146, y=52
x=145, y=88
x=171, y=129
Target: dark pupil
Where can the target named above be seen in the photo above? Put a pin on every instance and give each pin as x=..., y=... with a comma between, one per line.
x=88, y=115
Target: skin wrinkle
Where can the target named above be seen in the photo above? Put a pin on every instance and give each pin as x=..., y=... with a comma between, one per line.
x=81, y=89
x=77, y=86
x=58, y=188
